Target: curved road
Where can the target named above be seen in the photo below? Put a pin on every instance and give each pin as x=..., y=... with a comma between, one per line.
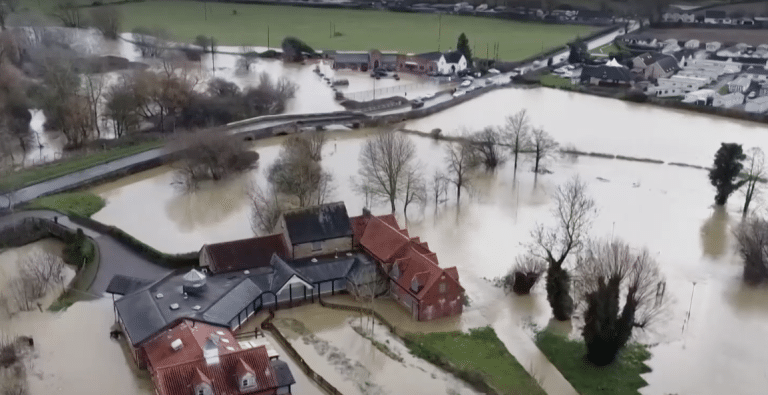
x=115, y=258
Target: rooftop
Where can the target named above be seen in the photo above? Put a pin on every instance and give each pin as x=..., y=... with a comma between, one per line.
x=246, y=253
x=316, y=223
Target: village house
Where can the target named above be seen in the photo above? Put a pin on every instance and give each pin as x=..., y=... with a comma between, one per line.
x=447, y=63
x=677, y=85
x=740, y=84
x=315, y=231
x=609, y=74
x=427, y=63
x=729, y=100
x=758, y=105
x=654, y=65
x=723, y=66
x=709, y=76
x=756, y=73
x=364, y=61
x=195, y=358
x=416, y=280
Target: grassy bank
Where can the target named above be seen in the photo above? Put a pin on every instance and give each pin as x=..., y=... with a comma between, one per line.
x=85, y=277
x=620, y=378
x=478, y=357
x=37, y=174
x=553, y=81
x=360, y=29
x=82, y=204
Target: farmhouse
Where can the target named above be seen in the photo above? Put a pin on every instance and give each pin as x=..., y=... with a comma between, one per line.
x=445, y=63
x=364, y=61
x=416, y=280
x=654, y=65
x=318, y=230
x=605, y=74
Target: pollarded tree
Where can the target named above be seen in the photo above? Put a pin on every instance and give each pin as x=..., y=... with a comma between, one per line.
x=609, y=272
x=385, y=160
x=726, y=170
x=754, y=172
x=752, y=238
x=573, y=212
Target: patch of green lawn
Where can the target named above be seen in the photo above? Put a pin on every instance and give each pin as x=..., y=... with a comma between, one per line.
x=553, y=81
x=478, y=357
x=37, y=174
x=620, y=378
x=605, y=49
x=81, y=204
x=360, y=29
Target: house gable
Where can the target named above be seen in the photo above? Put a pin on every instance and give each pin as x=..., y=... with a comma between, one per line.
x=294, y=280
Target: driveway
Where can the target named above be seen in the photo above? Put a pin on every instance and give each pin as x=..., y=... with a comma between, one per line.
x=115, y=258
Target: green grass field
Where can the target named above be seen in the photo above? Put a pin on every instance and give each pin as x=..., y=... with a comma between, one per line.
x=34, y=175
x=82, y=204
x=554, y=81
x=620, y=378
x=478, y=356
x=362, y=29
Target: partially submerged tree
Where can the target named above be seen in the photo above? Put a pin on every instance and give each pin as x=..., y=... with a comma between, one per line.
x=543, y=146
x=151, y=42
x=439, y=187
x=461, y=162
x=573, y=212
x=266, y=209
x=38, y=274
x=212, y=155
x=93, y=87
x=608, y=272
x=107, y=20
x=385, y=160
x=294, y=49
x=525, y=273
x=726, y=170
x=295, y=174
x=517, y=134
x=487, y=146
x=316, y=140
x=68, y=12
x=753, y=173
x=752, y=238
x=414, y=190
x=121, y=108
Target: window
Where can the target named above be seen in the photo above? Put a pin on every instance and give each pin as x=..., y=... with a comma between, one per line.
x=201, y=391
x=245, y=382
x=317, y=245
x=395, y=271
x=442, y=288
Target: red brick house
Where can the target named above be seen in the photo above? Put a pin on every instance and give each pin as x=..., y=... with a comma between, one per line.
x=194, y=358
x=416, y=280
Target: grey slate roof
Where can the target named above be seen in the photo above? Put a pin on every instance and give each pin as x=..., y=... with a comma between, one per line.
x=123, y=285
x=233, y=302
x=283, y=272
x=757, y=70
x=435, y=56
x=283, y=374
x=328, y=221
x=606, y=73
x=389, y=58
x=668, y=64
x=714, y=14
x=351, y=57
x=453, y=57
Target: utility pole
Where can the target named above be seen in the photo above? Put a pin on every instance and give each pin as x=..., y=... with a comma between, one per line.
x=205, y=7
x=439, y=29
x=267, y=37
x=213, y=57
x=330, y=29
x=486, y=50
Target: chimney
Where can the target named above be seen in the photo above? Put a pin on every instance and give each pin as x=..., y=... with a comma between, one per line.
x=366, y=212
x=177, y=345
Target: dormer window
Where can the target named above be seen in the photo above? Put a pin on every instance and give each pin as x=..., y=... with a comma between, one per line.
x=203, y=389
x=395, y=273
x=247, y=382
x=442, y=288
x=415, y=285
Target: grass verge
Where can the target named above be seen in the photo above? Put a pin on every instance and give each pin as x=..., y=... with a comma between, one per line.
x=478, y=357
x=83, y=280
x=553, y=81
x=37, y=174
x=620, y=378
x=82, y=204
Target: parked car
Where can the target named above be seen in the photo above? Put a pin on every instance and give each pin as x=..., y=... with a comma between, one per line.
x=426, y=96
x=466, y=83
x=417, y=103
x=459, y=93
x=396, y=77
x=494, y=71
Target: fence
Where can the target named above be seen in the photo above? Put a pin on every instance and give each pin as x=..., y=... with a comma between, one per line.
x=267, y=325
x=364, y=95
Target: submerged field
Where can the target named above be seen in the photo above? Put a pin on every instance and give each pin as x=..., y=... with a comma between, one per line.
x=361, y=29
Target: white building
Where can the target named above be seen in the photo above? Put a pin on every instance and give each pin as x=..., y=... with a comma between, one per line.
x=692, y=44
x=729, y=100
x=727, y=66
x=677, y=85
x=699, y=96
x=758, y=105
x=740, y=84
x=709, y=75
x=713, y=46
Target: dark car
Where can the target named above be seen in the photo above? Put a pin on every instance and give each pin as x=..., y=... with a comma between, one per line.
x=417, y=103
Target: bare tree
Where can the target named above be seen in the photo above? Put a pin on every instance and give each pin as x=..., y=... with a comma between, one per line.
x=68, y=12
x=461, y=161
x=211, y=155
x=517, y=134
x=752, y=238
x=384, y=162
x=316, y=141
x=525, y=273
x=122, y=107
x=107, y=20
x=38, y=274
x=94, y=88
x=439, y=186
x=609, y=271
x=267, y=208
x=362, y=285
x=414, y=189
x=487, y=148
x=573, y=212
x=542, y=145
x=752, y=174
x=151, y=42
x=295, y=174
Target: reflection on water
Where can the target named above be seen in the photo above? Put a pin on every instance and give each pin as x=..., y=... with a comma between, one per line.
x=211, y=203
x=715, y=232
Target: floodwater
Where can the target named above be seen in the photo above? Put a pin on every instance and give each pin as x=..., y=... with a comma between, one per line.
x=666, y=209
x=12, y=259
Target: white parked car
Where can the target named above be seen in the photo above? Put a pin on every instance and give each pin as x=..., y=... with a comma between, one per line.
x=494, y=71
x=466, y=83
x=459, y=93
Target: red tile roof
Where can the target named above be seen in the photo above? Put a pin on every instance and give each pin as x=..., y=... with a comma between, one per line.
x=193, y=336
x=177, y=380
x=386, y=242
x=246, y=253
x=177, y=372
